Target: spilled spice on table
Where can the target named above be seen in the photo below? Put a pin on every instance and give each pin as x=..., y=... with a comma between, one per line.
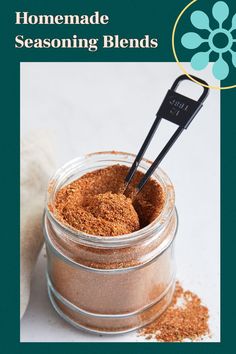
x=185, y=319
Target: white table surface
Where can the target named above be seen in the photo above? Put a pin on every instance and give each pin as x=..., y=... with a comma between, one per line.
x=92, y=107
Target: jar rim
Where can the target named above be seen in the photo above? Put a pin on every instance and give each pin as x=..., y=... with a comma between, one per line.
x=122, y=157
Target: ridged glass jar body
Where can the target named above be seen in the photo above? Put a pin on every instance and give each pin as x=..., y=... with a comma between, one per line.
x=110, y=284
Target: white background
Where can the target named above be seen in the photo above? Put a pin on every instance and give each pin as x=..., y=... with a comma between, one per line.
x=91, y=107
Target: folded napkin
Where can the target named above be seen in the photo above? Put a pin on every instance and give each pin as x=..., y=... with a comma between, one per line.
x=36, y=165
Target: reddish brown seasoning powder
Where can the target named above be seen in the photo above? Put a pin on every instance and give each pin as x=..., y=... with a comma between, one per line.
x=186, y=318
x=95, y=205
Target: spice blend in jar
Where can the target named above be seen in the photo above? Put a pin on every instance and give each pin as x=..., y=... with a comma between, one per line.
x=95, y=205
x=110, y=258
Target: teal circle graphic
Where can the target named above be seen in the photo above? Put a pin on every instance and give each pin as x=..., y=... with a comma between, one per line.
x=214, y=34
x=220, y=40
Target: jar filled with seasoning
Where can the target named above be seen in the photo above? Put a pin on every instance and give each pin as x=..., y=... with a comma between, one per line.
x=119, y=275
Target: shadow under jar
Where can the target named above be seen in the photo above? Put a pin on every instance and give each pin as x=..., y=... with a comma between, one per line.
x=110, y=284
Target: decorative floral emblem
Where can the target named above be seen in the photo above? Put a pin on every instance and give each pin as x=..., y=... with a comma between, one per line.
x=192, y=40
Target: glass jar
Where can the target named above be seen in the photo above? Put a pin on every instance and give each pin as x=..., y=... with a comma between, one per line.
x=110, y=284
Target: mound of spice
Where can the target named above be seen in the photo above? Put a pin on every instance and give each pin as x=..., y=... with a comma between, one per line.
x=185, y=319
x=95, y=205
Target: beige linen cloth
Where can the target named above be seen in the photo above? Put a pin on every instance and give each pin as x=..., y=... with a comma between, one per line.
x=36, y=166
